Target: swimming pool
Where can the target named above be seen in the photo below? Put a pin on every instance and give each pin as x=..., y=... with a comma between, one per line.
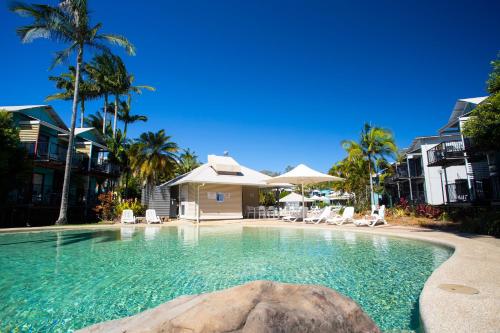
x=65, y=280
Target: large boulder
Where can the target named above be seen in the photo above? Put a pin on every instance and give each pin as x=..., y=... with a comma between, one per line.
x=259, y=306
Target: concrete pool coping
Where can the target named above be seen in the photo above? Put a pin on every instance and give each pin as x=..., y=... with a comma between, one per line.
x=461, y=295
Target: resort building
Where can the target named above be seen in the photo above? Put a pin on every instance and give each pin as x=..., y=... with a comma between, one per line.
x=45, y=138
x=446, y=168
x=218, y=189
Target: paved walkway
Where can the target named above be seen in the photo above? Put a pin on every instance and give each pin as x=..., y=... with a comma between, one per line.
x=462, y=295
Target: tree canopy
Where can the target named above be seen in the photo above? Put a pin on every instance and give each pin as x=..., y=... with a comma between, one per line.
x=483, y=127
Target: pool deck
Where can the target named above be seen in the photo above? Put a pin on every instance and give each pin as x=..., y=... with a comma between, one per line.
x=462, y=295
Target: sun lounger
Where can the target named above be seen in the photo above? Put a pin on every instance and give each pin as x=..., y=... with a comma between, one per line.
x=151, y=216
x=128, y=216
x=372, y=220
x=292, y=216
x=325, y=214
x=347, y=216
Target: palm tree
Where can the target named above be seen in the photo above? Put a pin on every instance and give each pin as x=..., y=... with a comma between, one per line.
x=375, y=143
x=96, y=120
x=153, y=155
x=125, y=115
x=101, y=69
x=68, y=22
x=121, y=83
x=65, y=81
x=187, y=162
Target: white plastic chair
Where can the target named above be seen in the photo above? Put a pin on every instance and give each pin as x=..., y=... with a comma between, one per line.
x=347, y=216
x=373, y=219
x=151, y=216
x=128, y=216
x=325, y=214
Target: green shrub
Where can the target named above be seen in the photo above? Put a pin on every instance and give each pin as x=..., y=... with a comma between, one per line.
x=105, y=210
x=135, y=205
x=479, y=220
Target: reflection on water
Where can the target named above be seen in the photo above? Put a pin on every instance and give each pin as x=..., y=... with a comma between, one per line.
x=380, y=243
x=127, y=233
x=188, y=235
x=350, y=238
x=150, y=232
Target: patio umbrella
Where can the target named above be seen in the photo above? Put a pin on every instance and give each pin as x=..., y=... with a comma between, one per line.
x=316, y=198
x=294, y=197
x=302, y=175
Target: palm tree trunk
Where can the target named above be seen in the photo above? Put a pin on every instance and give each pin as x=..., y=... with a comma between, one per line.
x=125, y=123
x=82, y=110
x=371, y=181
x=69, y=154
x=116, y=115
x=104, y=113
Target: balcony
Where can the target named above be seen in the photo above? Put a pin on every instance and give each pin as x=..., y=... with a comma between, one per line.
x=46, y=151
x=446, y=154
x=459, y=192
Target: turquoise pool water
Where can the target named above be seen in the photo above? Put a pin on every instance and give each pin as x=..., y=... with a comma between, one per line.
x=61, y=281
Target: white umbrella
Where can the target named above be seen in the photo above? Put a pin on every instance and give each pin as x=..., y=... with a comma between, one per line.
x=302, y=175
x=294, y=197
x=316, y=198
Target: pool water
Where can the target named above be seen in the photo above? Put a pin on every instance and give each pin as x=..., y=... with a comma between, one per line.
x=65, y=280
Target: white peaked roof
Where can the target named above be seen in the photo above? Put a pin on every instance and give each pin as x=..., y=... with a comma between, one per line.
x=462, y=107
x=302, y=174
x=474, y=100
x=222, y=170
x=294, y=197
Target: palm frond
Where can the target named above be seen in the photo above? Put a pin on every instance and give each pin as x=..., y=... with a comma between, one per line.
x=118, y=40
x=63, y=55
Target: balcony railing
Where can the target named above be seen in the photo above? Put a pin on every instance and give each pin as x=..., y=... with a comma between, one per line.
x=53, y=152
x=446, y=153
x=46, y=151
x=459, y=192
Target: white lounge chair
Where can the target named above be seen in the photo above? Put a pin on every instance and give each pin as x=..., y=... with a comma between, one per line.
x=325, y=214
x=151, y=216
x=292, y=215
x=347, y=216
x=128, y=216
x=373, y=219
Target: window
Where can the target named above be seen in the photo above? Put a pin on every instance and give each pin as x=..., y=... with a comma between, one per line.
x=220, y=197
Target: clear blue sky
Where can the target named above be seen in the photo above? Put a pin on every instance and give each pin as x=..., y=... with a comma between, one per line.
x=278, y=83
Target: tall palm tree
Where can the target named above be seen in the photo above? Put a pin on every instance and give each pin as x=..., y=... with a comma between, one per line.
x=153, y=155
x=125, y=115
x=65, y=81
x=68, y=22
x=375, y=143
x=101, y=69
x=121, y=83
x=187, y=162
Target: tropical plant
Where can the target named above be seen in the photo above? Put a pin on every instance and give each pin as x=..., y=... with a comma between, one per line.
x=132, y=204
x=68, y=22
x=152, y=157
x=354, y=169
x=125, y=115
x=101, y=69
x=105, y=210
x=121, y=83
x=483, y=127
x=96, y=120
x=13, y=165
x=187, y=161
x=65, y=81
x=376, y=143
